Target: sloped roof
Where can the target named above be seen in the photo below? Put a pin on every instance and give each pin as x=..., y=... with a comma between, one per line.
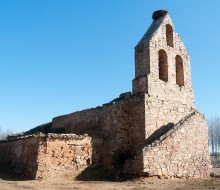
x=151, y=31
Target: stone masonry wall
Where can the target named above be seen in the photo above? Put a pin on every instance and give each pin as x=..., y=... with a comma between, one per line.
x=182, y=152
x=147, y=56
x=160, y=112
x=81, y=122
x=120, y=125
x=89, y=122
x=123, y=130
x=62, y=154
x=169, y=90
x=154, y=130
x=39, y=156
x=166, y=102
x=21, y=155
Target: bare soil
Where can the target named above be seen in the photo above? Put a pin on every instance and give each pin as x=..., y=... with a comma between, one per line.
x=10, y=181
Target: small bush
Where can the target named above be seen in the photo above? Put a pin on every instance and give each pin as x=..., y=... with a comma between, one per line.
x=4, y=134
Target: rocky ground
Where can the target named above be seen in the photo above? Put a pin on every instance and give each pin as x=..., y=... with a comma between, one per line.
x=12, y=182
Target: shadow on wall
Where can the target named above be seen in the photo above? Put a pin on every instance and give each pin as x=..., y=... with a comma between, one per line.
x=97, y=172
x=6, y=173
x=20, y=157
x=104, y=156
x=158, y=133
x=117, y=130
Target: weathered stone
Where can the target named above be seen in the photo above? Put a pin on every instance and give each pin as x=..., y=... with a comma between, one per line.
x=155, y=130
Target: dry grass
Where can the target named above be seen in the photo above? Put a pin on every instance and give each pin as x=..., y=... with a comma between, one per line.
x=8, y=182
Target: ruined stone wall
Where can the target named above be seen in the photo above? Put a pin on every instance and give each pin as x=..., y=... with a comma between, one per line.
x=81, y=122
x=85, y=122
x=137, y=123
x=39, y=156
x=62, y=154
x=154, y=131
x=115, y=124
x=181, y=152
x=160, y=112
x=123, y=130
x=21, y=155
x=119, y=126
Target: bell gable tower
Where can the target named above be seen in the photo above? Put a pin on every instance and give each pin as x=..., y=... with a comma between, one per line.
x=162, y=63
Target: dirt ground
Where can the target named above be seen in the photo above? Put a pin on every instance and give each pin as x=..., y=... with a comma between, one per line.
x=9, y=182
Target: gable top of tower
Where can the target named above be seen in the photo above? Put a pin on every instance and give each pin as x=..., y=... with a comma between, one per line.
x=152, y=30
x=157, y=32
x=156, y=56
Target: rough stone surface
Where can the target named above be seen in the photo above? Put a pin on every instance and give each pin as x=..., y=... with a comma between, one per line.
x=153, y=131
x=41, y=155
x=64, y=153
x=178, y=153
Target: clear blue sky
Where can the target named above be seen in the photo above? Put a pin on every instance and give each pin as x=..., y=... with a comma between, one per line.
x=60, y=56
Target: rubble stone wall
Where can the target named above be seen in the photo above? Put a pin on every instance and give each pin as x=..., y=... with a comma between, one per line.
x=169, y=90
x=182, y=152
x=120, y=126
x=123, y=130
x=85, y=122
x=147, y=56
x=39, y=156
x=160, y=112
x=21, y=155
x=61, y=154
x=166, y=102
x=81, y=122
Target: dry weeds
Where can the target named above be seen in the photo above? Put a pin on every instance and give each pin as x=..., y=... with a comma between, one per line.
x=12, y=182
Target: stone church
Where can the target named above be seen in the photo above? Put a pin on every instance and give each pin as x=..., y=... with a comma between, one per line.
x=155, y=130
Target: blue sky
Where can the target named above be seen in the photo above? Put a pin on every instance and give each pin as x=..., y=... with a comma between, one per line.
x=60, y=56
